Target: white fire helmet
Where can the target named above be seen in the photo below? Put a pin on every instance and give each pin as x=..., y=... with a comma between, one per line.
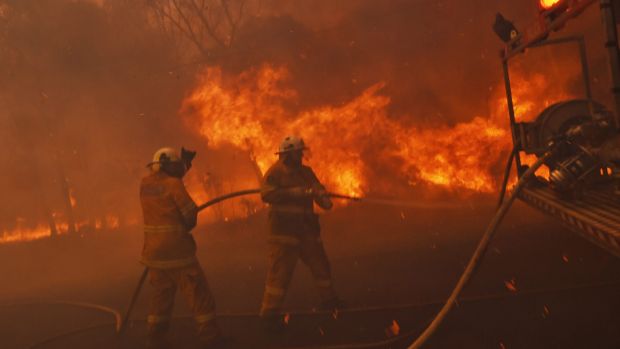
x=166, y=154
x=291, y=143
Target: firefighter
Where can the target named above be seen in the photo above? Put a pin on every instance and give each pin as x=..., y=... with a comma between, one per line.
x=290, y=188
x=170, y=250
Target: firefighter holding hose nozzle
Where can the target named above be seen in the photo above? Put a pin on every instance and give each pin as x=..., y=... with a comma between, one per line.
x=170, y=250
x=290, y=188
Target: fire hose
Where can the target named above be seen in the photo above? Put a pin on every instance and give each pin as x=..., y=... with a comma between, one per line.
x=134, y=298
x=448, y=305
x=474, y=262
x=136, y=293
x=480, y=251
x=464, y=279
x=369, y=345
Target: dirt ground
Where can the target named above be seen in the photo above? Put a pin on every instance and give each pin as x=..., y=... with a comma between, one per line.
x=540, y=285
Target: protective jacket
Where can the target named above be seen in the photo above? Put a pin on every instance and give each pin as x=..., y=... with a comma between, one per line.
x=169, y=215
x=290, y=214
x=294, y=234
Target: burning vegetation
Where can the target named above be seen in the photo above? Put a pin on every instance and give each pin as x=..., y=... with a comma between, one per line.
x=88, y=108
x=352, y=144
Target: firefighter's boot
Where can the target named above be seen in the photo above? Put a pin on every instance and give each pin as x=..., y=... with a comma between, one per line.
x=210, y=335
x=157, y=339
x=273, y=324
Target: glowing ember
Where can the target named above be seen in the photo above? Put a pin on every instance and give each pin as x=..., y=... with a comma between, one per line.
x=511, y=285
x=393, y=330
x=72, y=198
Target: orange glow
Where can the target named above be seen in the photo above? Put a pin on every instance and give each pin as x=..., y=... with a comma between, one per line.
x=72, y=198
x=248, y=112
x=458, y=157
x=25, y=234
x=251, y=117
x=529, y=160
x=112, y=222
x=22, y=231
x=532, y=93
x=357, y=147
x=548, y=4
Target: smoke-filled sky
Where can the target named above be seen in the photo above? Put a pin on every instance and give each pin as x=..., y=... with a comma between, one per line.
x=90, y=89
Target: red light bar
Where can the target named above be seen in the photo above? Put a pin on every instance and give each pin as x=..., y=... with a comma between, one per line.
x=548, y=4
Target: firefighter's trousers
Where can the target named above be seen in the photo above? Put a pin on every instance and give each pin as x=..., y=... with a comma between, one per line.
x=192, y=283
x=284, y=253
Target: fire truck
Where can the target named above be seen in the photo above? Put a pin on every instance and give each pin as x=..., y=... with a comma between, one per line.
x=582, y=189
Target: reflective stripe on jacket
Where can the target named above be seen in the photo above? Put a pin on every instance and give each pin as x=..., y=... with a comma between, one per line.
x=169, y=215
x=289, y=215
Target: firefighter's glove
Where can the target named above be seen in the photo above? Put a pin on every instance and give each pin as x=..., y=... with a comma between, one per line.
x=300, y=192
x=321, y=197
x=319, y=192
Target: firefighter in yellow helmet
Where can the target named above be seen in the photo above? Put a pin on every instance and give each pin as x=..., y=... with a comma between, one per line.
x=290, y=188
x=170, y=251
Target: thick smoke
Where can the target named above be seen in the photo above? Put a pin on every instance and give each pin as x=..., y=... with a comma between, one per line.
x=88, y=92
x=89, y=89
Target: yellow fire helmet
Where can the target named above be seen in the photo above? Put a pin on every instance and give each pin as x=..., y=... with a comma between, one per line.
x=166, y=154
x=291, y=143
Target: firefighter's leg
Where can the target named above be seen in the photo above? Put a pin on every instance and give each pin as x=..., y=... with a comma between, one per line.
x=313, y=254
x=158, y=320
x=194, y=287
x=283, y=255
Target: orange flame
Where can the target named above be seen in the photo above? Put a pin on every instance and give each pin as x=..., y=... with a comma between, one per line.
x=353, y=144
x=456, y=157
x=25, y=234
x=254, y=119
x=248, y=112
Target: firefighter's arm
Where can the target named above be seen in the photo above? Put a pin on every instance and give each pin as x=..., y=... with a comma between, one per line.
x=273, y=193
x=186, y=206
x=319, y=193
